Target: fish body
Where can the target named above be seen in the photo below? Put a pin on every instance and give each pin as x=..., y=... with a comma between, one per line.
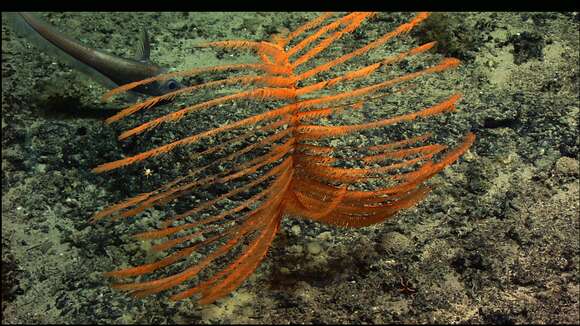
x=109, y=70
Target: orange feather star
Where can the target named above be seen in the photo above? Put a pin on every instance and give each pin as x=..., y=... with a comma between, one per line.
x=288, y=170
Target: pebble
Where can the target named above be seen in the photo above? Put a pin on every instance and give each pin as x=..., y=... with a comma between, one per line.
x=324, y=236
x=567, y=166
x=296, y=230
x=396, y=242
x=314, y=248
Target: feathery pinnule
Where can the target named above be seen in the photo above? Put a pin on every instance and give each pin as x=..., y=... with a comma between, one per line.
x=286, y=169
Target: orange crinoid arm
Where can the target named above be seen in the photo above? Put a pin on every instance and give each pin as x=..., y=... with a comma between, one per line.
x=283, y=157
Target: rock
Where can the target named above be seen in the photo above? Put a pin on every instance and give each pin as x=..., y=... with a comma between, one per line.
x=296, y=230
x=396, y=242
x=567, y=166
x=314, y=248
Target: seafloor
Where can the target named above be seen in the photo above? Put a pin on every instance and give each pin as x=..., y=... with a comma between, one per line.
x=496, y=241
